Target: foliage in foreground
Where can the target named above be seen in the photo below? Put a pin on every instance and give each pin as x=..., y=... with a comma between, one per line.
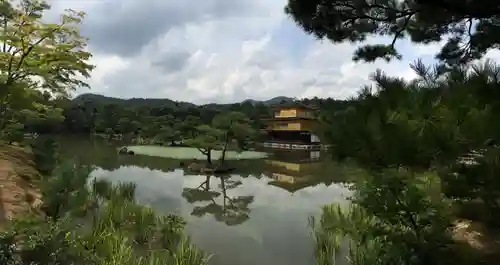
x=44, y=149
x=38, y=57
x=436, y=129
x=95, y=224
x=430, y=121
x=441, y=122
x=396, y=217
x=469, y=27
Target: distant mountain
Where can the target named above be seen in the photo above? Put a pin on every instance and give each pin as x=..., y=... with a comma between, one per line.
x=273, y=101
x=164, y=101
x=279, y=100
x=151, y=102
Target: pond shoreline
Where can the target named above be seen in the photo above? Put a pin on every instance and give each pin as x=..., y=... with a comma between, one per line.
x=190, y=153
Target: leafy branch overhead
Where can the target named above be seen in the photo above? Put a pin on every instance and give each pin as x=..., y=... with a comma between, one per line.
x=469, y=27
x=37, y=57
x=54, y=53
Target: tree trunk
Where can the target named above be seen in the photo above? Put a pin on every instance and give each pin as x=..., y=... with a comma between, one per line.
x=223, y=155
x=207, y=183
x=207, y=153
x=224, y=193
x=209, y=156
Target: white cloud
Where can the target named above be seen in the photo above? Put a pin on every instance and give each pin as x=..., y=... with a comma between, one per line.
x=219, y=52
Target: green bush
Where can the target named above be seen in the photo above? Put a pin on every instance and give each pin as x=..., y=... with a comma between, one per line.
x=45, y=151
x=13, y=133
x=477, y=179
x=396, y=217
x=65, y=191
x=40, y=241
x=8, y=248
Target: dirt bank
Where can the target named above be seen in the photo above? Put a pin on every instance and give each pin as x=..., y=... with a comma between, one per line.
x=18, y=178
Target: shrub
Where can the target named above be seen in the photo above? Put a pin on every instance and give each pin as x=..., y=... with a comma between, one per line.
x=45, y=150
x=35, y=240
x=396, y=217
x=65, y=191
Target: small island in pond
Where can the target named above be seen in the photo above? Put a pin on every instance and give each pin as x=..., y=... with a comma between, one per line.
x=227, y=138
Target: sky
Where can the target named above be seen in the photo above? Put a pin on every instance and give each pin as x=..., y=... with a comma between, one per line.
x=220, y=51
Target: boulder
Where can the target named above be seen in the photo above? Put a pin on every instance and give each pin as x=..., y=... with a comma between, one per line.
x=125, y=151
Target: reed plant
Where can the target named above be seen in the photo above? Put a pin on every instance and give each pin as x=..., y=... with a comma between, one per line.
x=96, y=224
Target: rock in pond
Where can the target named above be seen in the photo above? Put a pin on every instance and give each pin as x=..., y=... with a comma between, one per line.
x=125, y=151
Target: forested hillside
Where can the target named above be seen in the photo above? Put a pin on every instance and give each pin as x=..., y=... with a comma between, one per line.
x=92, y=113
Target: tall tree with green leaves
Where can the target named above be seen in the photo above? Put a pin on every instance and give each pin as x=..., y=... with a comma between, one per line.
x=469, y=27
x=206, y=140
x=226, y=128
x=39, y=56
x=236, y=128
x=167, y=134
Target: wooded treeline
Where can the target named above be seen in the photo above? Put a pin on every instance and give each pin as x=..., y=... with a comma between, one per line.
x=90, y=114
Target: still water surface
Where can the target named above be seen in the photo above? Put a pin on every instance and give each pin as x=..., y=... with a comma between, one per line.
x=257, y=215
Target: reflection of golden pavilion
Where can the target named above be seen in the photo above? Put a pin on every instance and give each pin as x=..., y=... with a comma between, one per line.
x=296, y=172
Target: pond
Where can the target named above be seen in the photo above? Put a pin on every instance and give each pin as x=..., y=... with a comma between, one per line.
x=257, y=215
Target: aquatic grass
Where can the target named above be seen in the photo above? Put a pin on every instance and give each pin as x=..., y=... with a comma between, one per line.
x=145, y=228
x=120, y=212
x=170, y=231
x=113, y=247
x=126, y=190
x=187, y=254
x=106, y=190
x=100, y=225
x=102, y=188
x=118, y=243
x=116, y=231
x=81, y=202
x=155, y=258
x=343, y=226
x=144, y=225
x=327, y=239
x=141, y=222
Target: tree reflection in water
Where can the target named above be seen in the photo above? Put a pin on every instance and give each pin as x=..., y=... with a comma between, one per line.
x=231, y=211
